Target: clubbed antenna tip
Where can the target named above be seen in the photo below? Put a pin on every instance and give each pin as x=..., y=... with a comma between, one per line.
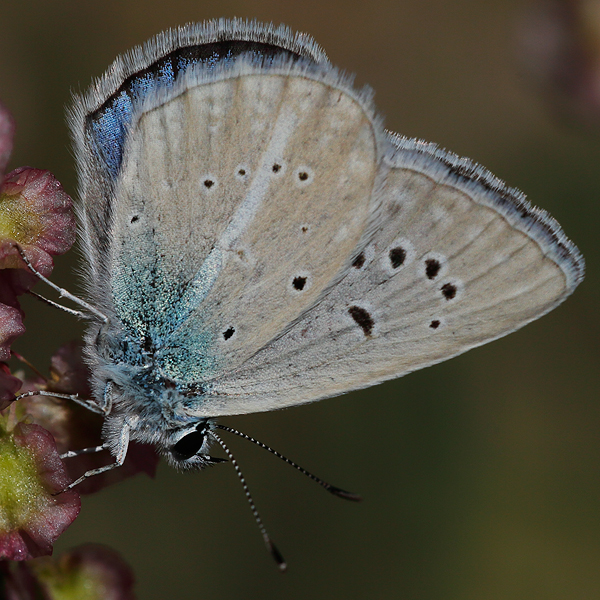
x=277, y=556
x=336, y=491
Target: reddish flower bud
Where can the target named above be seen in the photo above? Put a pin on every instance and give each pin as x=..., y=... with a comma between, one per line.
x=31, y=473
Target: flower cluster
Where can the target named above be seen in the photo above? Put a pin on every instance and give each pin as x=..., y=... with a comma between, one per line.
x=90, y=571
x=36, y=506
x=35, y=214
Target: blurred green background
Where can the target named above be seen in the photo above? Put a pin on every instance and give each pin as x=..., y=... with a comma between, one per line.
x=480, y=476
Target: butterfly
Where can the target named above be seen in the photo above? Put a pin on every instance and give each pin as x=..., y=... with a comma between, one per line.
x=254, y=238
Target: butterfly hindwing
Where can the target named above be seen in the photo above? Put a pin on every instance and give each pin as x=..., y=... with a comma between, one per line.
x=458, y=261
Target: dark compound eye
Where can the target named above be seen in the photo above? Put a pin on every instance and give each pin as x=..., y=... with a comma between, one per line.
x=188, y=446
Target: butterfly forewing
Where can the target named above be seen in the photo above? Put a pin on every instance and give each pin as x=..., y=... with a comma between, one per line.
x=216, y=252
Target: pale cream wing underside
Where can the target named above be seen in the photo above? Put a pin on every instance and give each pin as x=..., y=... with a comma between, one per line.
x=241, y=198
x=454, y=265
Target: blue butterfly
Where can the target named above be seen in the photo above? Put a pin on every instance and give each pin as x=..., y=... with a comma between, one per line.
x=255, y=239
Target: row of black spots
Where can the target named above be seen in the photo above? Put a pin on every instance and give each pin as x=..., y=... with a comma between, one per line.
x=299, y=284
x=363, y=319
x=303, y=174
x=209, y=182
x=397, y=257
x=433, y=268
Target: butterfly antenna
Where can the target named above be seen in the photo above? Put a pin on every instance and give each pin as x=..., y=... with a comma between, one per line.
x=336, y=491
x=278, y=557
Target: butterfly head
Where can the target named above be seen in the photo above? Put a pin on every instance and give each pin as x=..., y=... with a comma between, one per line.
x=183, y=442
x=187, y=448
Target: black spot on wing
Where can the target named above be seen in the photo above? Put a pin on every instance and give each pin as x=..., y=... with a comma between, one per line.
x=359, y=261
x=432, y=268
x=299, y=283
x=397, y=257
x=449, y=291
x=362, y=318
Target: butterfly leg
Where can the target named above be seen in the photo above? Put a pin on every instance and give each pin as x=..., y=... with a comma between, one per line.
x=107, y=398
x=91, y=473
x=74, y=453
x=120, y=459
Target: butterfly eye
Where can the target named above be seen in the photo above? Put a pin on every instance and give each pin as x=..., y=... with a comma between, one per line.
x=188, y=446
